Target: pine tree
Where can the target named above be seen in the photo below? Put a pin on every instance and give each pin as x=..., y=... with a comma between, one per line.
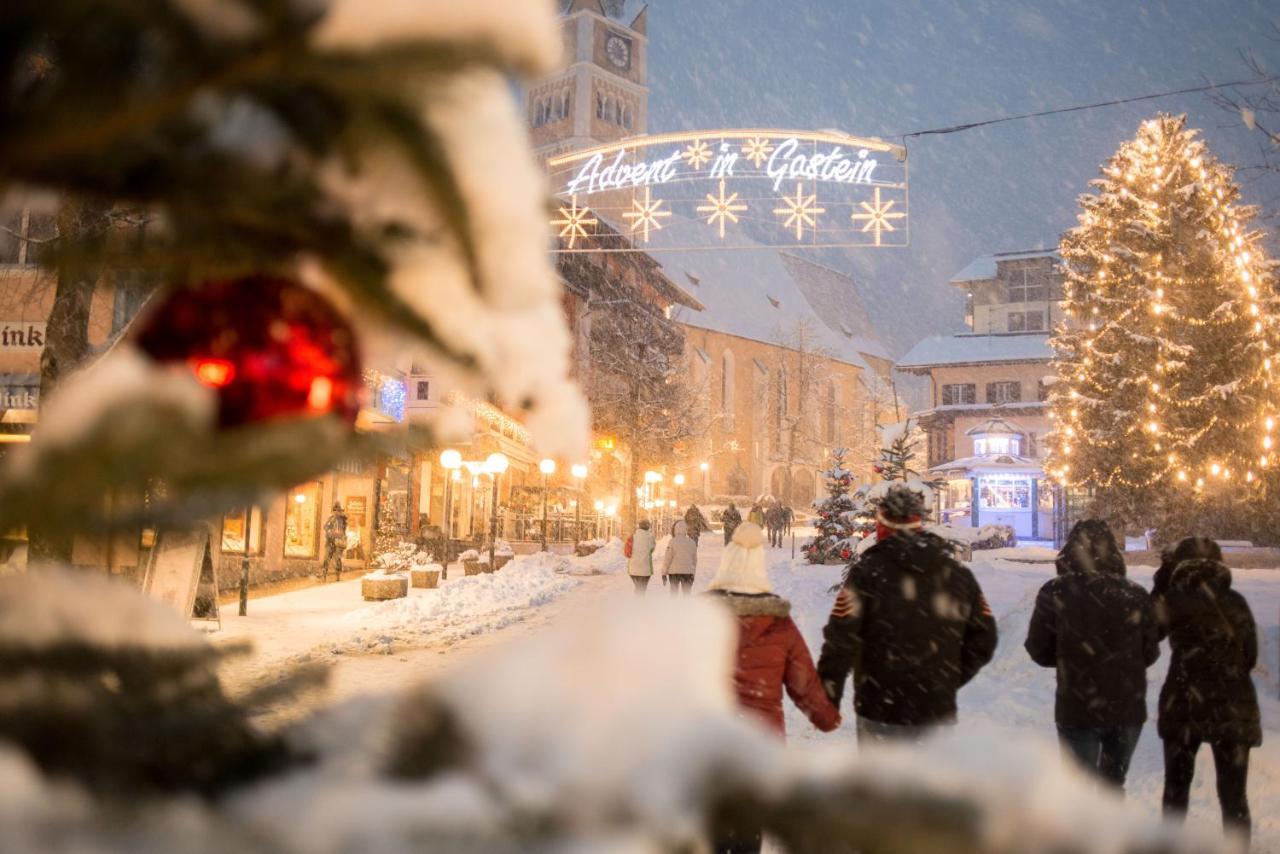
x=836, y=525
x=1165, y=360
x=898, y=448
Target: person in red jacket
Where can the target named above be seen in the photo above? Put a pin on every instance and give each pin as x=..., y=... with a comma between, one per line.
x=772, y=655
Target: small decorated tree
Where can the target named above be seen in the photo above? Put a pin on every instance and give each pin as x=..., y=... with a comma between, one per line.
x=898, y=443
x=836, y=523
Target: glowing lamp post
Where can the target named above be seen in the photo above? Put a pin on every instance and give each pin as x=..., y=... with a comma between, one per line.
x=705, y=468
x=547, y=467
x=495, y=465
x=599, y=513
x=579, y=472
x=678, y=480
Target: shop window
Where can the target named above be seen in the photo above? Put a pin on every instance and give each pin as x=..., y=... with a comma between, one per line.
x=1004, y=392
x=994, y=444
x=235, y=526
x=959, y=393
x=302, y=521
x=1005, y=493
x=424, y=390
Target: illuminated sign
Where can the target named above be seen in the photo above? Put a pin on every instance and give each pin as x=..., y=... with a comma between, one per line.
x=731, y=189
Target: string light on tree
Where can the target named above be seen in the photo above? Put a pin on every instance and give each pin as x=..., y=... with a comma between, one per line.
x=1169, y=383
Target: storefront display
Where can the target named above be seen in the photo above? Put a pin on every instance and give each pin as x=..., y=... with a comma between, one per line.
x=302, y=521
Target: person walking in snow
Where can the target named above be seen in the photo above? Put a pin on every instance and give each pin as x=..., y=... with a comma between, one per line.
x=911, y=624
x=335, y=542
x=772, y=656
x=680, y=560
x=640, y=558
x=1208, y=696
x=756, y=514
x=1098, y=629
x=695, y=522
x=730, y=519
x=788, y=518
x=774, y=521
x=1189, y=548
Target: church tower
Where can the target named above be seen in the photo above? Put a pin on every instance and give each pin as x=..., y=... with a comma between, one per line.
x=602, y=94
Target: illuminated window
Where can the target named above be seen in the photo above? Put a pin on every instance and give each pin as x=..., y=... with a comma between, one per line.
x=233, y=532
x=302, y=521
x=1005, y=492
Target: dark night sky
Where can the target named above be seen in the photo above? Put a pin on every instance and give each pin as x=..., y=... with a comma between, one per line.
x=885, y=67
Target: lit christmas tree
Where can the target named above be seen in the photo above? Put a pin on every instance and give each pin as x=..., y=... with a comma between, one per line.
x=1166, y=358
x=837, y=526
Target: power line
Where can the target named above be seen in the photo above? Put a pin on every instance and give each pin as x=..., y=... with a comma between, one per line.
x=971, y=125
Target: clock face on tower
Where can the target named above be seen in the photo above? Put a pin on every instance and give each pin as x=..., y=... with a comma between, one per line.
x=618, y=50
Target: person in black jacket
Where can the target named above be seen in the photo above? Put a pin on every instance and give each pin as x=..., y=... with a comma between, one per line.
x=731, y=519
x=910, y=622
x=1209, y=695
x=1099, y=630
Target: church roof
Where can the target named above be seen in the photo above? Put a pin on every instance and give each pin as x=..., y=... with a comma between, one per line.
x=760, y=295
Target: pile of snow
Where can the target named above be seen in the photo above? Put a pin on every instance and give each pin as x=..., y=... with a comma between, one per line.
x=66, y=607
x=986, y=537
x=606, y=560
x=458, y=608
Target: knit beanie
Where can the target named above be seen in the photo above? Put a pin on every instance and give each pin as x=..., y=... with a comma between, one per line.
x=743, y=568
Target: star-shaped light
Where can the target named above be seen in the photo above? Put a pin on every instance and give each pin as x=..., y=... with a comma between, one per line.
x=801, y=211
x=722, y=208
x=877, y=215
x=757, y=150
x=645, y=215
x=697, y=154
x=573, y=221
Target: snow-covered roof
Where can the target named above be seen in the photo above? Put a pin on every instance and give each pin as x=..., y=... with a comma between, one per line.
x=984, y=267
x=764, y=295
x=971, y=349
x=999, y=462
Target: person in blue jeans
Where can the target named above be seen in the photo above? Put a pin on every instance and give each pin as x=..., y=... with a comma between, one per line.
x=1098, y=630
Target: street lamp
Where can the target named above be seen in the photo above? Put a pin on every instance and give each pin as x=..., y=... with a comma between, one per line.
x=450, y=461
x=678, y=480
x=705, y=467
x=599, y=513
x=495, y=465
x=547, y=466
x=579, y=472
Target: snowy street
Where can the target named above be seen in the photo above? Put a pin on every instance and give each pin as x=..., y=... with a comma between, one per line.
x=380, y=648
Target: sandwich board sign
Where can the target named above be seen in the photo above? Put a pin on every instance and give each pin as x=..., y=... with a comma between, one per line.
x=181, y=563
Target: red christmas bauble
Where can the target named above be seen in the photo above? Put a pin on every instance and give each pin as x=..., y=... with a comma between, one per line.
x=878, y=469
x=846, y=554
x=268, y=346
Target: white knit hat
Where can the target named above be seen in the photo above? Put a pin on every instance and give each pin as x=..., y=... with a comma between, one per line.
x=743, y=568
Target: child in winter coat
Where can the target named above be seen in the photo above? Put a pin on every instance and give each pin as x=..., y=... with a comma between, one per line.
x=640, y=561
x=772, y=655
x=1208, y=696
x=680, y=560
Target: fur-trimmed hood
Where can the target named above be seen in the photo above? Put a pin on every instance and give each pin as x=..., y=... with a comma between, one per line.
x=1201, y=573
x=754, y=604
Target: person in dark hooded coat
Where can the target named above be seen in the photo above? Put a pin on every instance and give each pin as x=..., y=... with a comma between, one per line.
x=731, y=519
x=1189, y=548
x=1098, y=629
x=1209, y=696
x=910, y=622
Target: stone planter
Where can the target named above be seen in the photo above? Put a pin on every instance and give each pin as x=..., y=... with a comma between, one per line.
x=499, y=561
x=425, y=576
x=379, y=588
x=471, y=567
x=485, y=566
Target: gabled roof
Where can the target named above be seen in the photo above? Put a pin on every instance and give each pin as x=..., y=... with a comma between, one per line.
x=994, y=424
x=942, y=350
x=754, y=294
x=984, y=267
